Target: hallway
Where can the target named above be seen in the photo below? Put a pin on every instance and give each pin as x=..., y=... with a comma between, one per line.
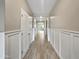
x=39, y=29
x=38, y=50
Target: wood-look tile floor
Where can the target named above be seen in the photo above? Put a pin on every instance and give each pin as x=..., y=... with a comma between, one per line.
x=38, y=50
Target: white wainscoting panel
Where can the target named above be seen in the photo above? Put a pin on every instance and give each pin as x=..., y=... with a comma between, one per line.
x=7, y=47
x=26, y=32
x=13, y=45
x=26, y=39
x=66, y=45
x=2, y=45
x=51, y=36
x=75, y=52
x=56, y=39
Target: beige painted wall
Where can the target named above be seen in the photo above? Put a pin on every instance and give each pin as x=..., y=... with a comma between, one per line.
x=67, y=15
x=2, y=15
x=13, y=16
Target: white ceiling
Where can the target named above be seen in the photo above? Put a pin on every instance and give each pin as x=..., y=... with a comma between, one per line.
x=41, y=7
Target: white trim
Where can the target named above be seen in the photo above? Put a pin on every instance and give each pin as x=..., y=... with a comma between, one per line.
x=71, y=31
x=52, y=17
x=25, y=13
x=60, y=45
x=13, y=31
x=66, y=30
x=20, y=45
